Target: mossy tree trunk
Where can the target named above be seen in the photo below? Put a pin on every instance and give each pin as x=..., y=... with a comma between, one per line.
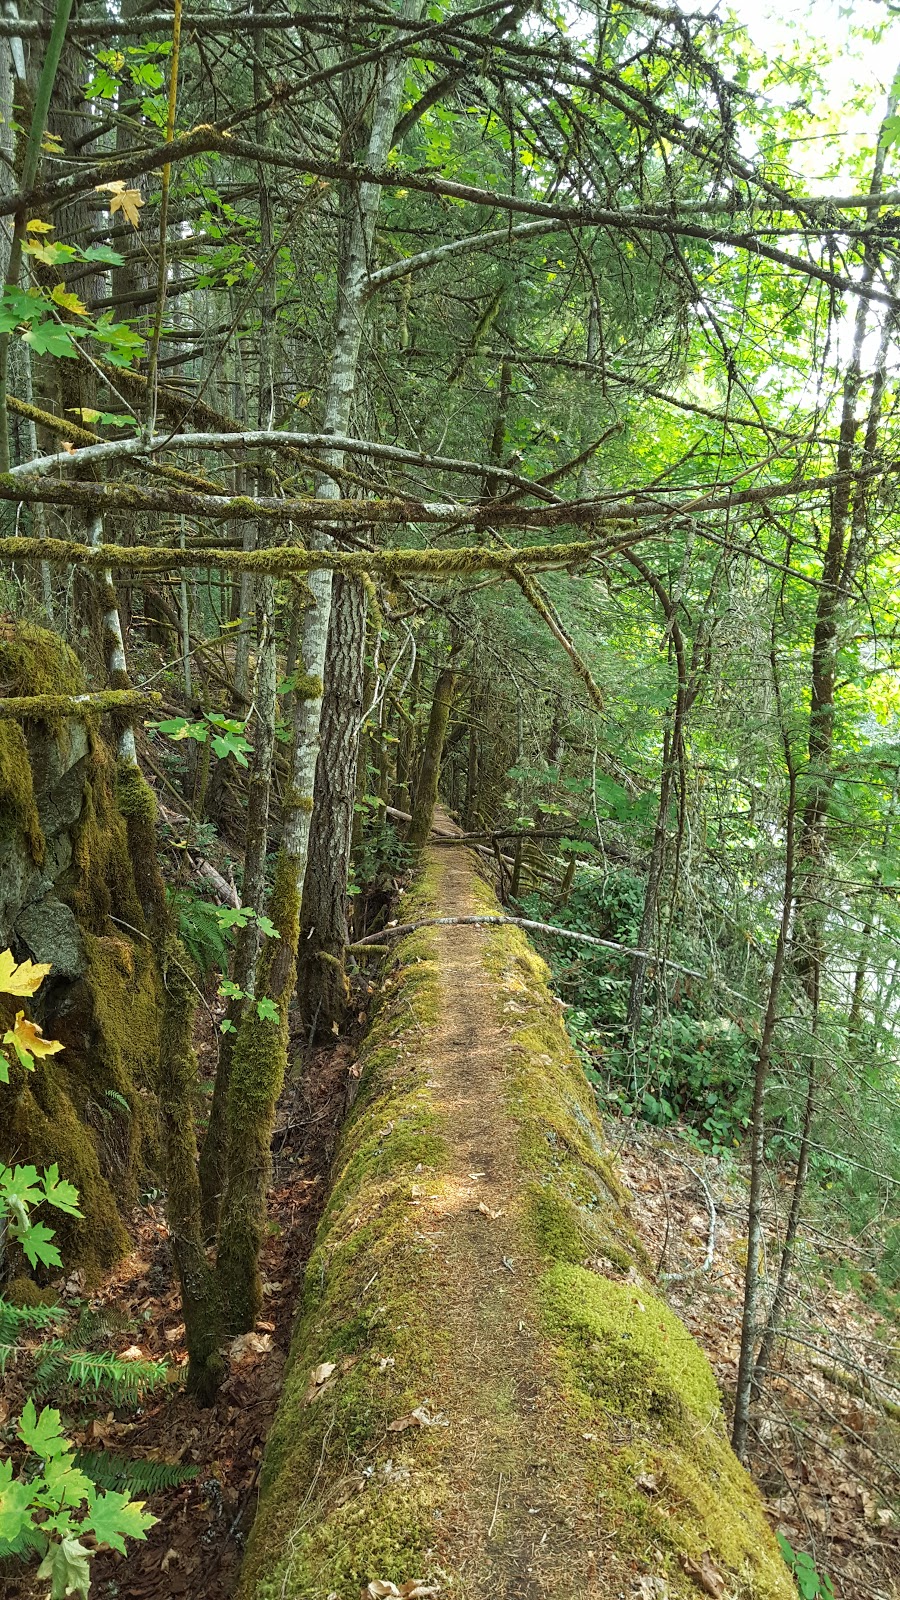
x=430, y=768
x=257, y=1075
x=321, y=979
x=253, y=894
x=176, y=1068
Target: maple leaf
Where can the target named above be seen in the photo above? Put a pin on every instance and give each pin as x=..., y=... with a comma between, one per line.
x=67, y=1566
x=37, y=226
x=115, y=1518
x=68, y=300
x=28, y=1041
x=24, y=978
x=128, y=201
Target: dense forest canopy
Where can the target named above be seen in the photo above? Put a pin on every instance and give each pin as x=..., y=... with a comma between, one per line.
x=492, y=407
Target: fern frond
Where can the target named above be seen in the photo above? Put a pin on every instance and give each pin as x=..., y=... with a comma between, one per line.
x=125, y=1382
x=136, y=1476
x=15, y=1319
x=97, y=1323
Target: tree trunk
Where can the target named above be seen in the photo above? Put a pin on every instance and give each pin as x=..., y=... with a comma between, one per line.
x=321, y=980
x=430, y=768
x=253, y=894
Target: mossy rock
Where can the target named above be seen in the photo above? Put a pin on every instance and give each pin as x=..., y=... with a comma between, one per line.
x=65, y=874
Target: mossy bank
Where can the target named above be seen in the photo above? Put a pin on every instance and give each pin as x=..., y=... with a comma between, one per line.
x=67, y=897
x=563, y=1435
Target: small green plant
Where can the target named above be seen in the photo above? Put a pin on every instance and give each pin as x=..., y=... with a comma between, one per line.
x=812, y=1584
x=266, y=1009
x=51, y=1505
x=207, y=930
x=21, y=1190
x=225, y=734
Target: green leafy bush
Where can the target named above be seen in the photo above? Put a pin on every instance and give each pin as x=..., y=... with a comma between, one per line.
x=52, y=1504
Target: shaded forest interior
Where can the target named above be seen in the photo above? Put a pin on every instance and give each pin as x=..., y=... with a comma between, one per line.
x=447, y=497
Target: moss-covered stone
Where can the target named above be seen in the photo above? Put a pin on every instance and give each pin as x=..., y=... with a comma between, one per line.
x=67, y=879
x=17, y=798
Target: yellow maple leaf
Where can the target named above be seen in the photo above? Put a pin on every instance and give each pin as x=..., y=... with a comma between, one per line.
x=46, y=252
x=128, y=201
x=68, y=300
x=22, y=979
x=26, y=1036
x=37, y=226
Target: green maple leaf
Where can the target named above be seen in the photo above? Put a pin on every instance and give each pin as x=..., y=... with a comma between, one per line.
x=15, y=1503
x=61, y=1194
x=67, y=1566
x=43, y=1433
x=49, y=339
x=36, y=1240
x=114, y=1518
x=65, y=1484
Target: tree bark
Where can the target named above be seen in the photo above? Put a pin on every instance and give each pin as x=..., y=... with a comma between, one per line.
x=430, y=768
x=321, y=979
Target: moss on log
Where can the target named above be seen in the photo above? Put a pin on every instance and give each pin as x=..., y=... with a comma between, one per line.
x=495, y=1402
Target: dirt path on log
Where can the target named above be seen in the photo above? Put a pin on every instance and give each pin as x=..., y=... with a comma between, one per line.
x=515, y=1535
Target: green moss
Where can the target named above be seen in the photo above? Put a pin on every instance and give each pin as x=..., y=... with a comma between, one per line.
x=43, y=1124
x=364, y=1306
x=564, y=1230
x=307, y=686
x=135, y=797
x=24, y=1292
x=100, y=881
x=17, y=789
x=624, y=1347
x=35, y=661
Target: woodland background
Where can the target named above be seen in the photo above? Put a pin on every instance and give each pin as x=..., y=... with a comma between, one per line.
x=498, y=404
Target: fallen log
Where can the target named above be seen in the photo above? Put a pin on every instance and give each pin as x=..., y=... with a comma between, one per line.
x=486, y=1395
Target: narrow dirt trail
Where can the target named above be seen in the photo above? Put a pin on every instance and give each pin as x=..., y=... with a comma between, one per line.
x=511, y=1540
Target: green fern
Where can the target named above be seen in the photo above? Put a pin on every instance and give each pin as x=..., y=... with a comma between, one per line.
x=97, y=1323
x=136, y=1476
x=15, y=1320
x=125, y=1382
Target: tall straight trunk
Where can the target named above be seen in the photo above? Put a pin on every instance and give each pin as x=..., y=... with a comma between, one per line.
x=176, y=1073
x=260, y=1053
x=430, y=768
x=647, y=935
x=360, y=205
x=213, y=1160
x=687, y=689
x=321, y=979
x=253, y=894
x=750, y=1315
x=779, y=1299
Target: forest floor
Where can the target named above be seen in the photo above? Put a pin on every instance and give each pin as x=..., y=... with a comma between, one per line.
x=826, y=1451
x=827, y=1458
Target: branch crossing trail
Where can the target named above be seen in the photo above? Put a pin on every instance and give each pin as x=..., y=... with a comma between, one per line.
x=517, y=1533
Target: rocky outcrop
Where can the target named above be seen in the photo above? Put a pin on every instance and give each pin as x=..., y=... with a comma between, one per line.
x=67, y=897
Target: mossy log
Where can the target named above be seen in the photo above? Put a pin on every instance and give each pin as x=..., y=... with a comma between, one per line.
x=491, y=1398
